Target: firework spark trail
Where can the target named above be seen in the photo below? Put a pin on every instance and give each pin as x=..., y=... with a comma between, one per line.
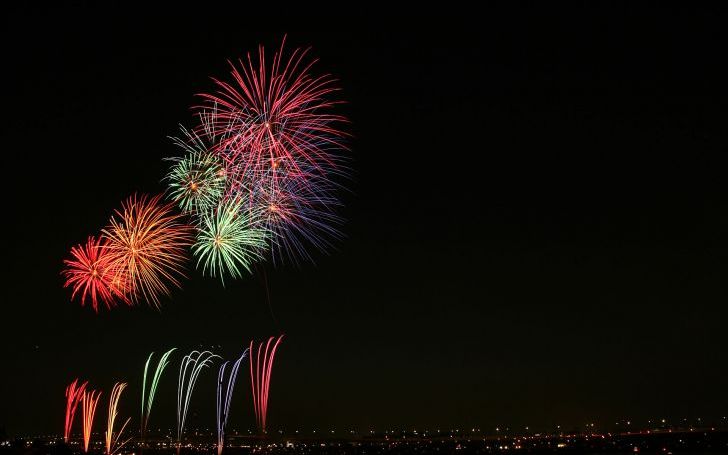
x=147, y=405
x=112, y=443
x=223, y=400
x=74, y=394
x=91, y=272
x=149, y=243
x=88, y=407
x=192, y=363
x=230, y=239
x=260, y=377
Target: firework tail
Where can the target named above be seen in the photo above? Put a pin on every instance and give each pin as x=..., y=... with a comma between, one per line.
x=147, y=404
x=89, y=401
x=113, y=444
x=224, y=397
x=74, y=393
x=260, y=377
x=189, y=370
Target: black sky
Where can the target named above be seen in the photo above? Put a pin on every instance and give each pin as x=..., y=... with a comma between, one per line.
x=536, y=230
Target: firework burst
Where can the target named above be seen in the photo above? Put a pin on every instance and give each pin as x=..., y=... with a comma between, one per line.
x=92, y=274
x=275, y=113
x=297, y=214
x=282, y=147
x=230, y=239
x=197, y=180
x=148, y=244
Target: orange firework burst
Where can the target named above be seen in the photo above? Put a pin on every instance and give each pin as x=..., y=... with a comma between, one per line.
x=148, y=246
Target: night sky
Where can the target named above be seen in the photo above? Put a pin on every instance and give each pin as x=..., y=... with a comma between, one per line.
x=537, y=227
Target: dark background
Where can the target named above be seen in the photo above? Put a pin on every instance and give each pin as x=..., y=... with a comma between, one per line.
x=536, y=230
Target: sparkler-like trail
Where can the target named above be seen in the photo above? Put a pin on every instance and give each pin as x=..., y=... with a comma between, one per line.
x=147, y=405
x=260, y=377
x=112, y=443
x=88, y=408
x=223, y=401
x=74, y=393
x=189, y=370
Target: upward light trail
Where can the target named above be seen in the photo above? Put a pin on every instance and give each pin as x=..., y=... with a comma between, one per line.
x=74, y=394
x=189, y=370
x=147, y=405
x=89, y=401
x=224, y=396
x=112, y=441
x=260, y=376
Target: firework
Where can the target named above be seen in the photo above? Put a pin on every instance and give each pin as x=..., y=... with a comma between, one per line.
x=197, y=180
x=281, y=144
x=189, y=370
x=88, y=407
x=74, y=393
x=224, y=397
x=112, y=442
x=147, y=405
x=260, y=377
x=275, y=114
x=298, y=213
x=148, y=242
x=91, y=272
x=229, y=240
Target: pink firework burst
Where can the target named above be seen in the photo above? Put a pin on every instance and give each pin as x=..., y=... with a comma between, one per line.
x=275, y=115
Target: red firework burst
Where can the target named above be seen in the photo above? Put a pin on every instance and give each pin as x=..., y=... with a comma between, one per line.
x=275, y=117
x=92, y=274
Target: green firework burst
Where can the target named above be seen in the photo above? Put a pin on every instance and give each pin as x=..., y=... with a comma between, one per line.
x=229, y=239
x=197, y=180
